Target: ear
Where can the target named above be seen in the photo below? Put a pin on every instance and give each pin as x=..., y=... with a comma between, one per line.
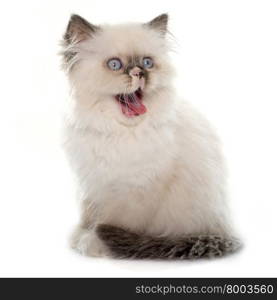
x=159, y=23
x=78, y=29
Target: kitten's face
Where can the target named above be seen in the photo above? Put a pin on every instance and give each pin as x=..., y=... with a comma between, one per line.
x=117, y=68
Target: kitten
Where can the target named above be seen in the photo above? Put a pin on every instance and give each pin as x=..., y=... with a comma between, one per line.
x=149, y=167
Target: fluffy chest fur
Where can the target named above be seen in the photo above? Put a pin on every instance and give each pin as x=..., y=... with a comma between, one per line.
x=123, y=172
x=115, y=151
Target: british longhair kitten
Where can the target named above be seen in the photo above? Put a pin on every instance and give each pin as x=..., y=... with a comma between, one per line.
x=149, y=167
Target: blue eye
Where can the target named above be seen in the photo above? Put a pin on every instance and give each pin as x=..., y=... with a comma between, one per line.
x=148, y=62
x=114, y=64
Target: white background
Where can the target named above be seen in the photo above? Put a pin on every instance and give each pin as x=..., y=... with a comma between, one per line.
x=226, y=58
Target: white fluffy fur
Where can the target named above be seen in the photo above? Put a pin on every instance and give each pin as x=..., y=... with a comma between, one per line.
x=160, y=173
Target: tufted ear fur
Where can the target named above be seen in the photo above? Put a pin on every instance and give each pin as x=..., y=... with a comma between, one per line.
x=78, y=29
x=159, y=23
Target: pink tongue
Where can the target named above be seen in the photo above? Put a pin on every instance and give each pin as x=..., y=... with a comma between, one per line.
x=134, y=108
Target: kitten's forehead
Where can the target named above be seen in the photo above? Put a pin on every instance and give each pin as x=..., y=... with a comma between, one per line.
x=129, y=40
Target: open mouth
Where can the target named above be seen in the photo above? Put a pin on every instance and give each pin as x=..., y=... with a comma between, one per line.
x=131, y=104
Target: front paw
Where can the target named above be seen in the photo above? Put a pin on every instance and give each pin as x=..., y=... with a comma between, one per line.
x=86, y=242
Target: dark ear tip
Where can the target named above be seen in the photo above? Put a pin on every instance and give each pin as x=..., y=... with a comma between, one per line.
x=164, y=16
x=74, y=17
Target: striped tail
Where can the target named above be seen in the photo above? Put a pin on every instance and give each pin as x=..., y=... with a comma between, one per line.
x=125, y=244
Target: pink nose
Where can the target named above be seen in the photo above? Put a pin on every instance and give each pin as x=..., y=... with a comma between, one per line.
x=136, y=72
